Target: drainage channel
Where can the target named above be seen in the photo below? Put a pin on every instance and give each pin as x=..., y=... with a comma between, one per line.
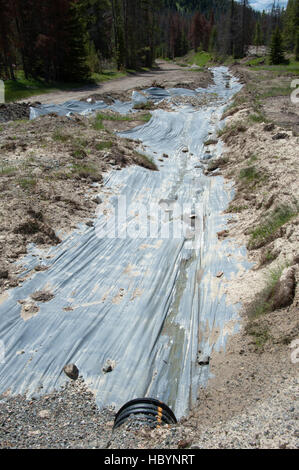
x=140, y=289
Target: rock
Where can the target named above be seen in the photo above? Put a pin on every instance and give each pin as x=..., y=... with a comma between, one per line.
x=3, y=273
x=72, y=371
x=97, y=200
x=45, y=414
x=211, y=142
x=270, y=201
x=42, y=296
x=285, y=289
x=223, y=234
x=296, y=259
x=207, y=156
x=183, y=444
x=269, y=127
x=109, y=366
x=203, y=360
x=185, y=150
x=280, y=135
x=12, y=111
x=41, y=267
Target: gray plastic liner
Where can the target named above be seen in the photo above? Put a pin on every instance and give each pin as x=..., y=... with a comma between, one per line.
x=87, y=107
x=149, y=305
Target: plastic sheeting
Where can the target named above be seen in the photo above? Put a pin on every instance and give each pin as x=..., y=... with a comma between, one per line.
x=148, y=304
x=88, y=107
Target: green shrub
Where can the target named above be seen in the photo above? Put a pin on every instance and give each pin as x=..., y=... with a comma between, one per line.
x=27, y=183
x=267, y=231
x=104, y=145
x=250, y=174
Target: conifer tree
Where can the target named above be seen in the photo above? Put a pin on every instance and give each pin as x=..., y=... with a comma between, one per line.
x=297, y=47
x=276, y=48
x=258, y=36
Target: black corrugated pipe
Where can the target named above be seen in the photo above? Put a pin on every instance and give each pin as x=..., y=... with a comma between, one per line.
x=154, y=412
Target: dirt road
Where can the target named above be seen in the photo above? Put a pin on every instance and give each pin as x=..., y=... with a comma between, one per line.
x=165, y=73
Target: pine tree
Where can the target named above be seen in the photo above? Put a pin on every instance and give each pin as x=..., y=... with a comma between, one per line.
x=213, y=39
x=258, y=36
x=297, y=47
x=276, y=49
x=291, y=24
x=72, y=44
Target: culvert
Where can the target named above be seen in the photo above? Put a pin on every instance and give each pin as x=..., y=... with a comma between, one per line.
x=148, y=411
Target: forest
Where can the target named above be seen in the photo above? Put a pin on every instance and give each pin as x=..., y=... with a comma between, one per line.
x=68, y=40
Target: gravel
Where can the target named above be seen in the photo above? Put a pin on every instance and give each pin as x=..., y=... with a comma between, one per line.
x=13, y=111
x=65, y=419
x=272, y=424
x=70, y=419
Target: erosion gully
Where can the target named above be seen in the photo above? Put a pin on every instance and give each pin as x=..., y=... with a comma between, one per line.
x=147, y=300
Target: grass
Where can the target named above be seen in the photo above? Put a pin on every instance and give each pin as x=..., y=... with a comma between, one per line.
x=146, y=117
x=85, y=171
x=267, y=257
x=237, y=127
x=61, y=137
x=79, y=148
x=253, y=158
x=147, y=106
x=113, y=117
x=236, y=209
x=98, y=124
x=107, y=75
x=24, y=88
x=262, y=303
x=258, y=117
x=8, y=171
x=276, y=91
x=199, y=58
x=104, y=145
x=100, y=117
x=265, y=232
x=261, y=306
x=145, y=161
x=27, y=183
x=292, y=67
x=260, y=334
x=249, y=174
